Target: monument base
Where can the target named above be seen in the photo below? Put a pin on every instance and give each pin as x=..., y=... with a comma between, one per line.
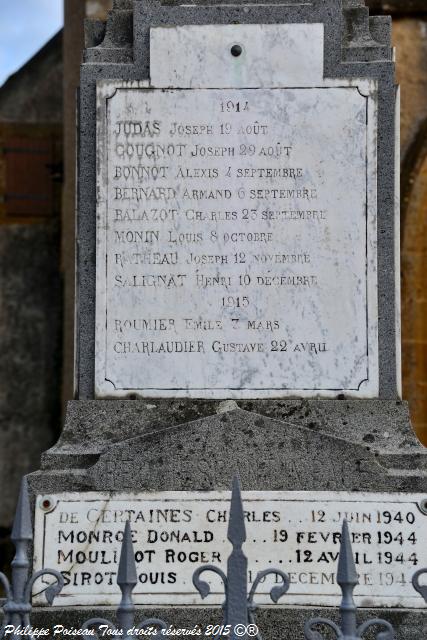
x=273, y=622
x=197, y=445
x=274, y=445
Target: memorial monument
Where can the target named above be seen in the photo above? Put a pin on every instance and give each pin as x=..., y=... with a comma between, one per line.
x=237, y=311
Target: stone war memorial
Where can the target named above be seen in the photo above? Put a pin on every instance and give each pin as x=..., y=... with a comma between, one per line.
x=237, y=313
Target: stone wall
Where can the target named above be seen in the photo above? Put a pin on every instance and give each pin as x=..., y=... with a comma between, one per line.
x=30, y=338
x=30, y=280
x=33, y=94
x=410, y=39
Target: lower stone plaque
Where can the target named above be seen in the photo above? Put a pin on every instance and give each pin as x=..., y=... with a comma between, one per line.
x=175, y=532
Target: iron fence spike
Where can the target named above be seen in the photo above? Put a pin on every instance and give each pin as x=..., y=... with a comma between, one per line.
x=22, y=534
x=239, y=607
x=22, y=527
x=236, y=606
x=346, y=572
x=126, y=574
x=347, y=579
x=236, y=526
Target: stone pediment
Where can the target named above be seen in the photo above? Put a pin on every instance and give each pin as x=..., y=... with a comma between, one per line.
x=267, y=453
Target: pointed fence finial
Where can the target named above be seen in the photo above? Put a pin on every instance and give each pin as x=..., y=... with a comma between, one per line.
x=126, y=574
x=237, y=565
x=22, y=528
x=239, y=606
x=127, y=578
x=347, y=579
x=17, y=608
x=346, y=572
x=236, y=526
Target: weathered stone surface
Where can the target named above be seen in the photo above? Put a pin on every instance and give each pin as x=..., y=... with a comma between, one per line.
x=267, y=454
x=278, y=445
x=93, y=425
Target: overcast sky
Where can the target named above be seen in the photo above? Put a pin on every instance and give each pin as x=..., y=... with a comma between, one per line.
x=25, y=26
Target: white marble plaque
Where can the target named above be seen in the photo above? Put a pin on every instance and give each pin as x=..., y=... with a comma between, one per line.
x=174, y=533
x=179, y=57
x=236, y=241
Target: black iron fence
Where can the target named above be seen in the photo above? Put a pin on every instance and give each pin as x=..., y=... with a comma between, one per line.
x=239, y=608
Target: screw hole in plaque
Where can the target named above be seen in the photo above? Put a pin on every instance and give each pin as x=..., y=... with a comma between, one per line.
x=423, y=506
x=47, y=503
x=236, y=50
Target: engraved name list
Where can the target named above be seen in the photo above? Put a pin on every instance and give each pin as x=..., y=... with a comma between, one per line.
x=176, y=532
x=234, y=241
